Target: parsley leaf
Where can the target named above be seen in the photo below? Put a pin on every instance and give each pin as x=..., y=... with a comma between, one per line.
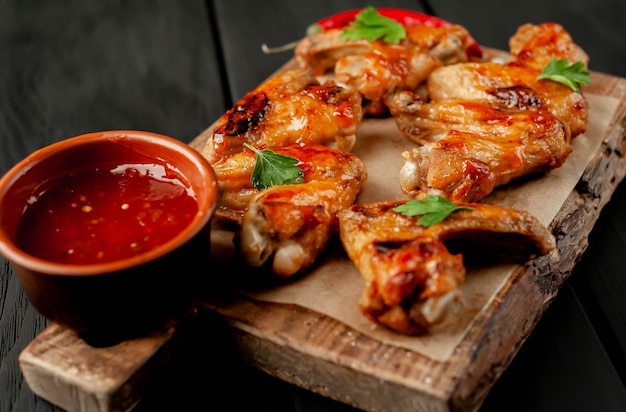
x=273, y=168
x=570, y=75
x=371, y=25
x=433, y=210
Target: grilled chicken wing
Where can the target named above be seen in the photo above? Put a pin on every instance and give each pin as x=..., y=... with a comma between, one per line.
x=384, y=69
x=413, y=273
x=515, y=84
x=468, y=148
x=290, y=108
x=535, y=45
x=321, y=51
x=509, y=86
x=288, y=225
x=485, y=124
x=377, y=69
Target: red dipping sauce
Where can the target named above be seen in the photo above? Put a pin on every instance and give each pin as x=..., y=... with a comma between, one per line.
x=106, y=213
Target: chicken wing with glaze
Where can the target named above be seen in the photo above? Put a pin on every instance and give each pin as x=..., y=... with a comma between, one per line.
x=287, y=226
x=288, y=108
x=484, y=124
x=413, y=273
x=515, y=84
x=535, y=45
x=468, y=148
x=321, y=51
x=384, y=69
x=511, y=87
x=376, y=69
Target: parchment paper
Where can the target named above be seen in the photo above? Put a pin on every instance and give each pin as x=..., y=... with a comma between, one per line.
x=334, y=286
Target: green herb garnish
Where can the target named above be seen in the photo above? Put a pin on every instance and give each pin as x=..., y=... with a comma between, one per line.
x=570, y=75
x=273, y=168
x=433, y=210
x=371, y=25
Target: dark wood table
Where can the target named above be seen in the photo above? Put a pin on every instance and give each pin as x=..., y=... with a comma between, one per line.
x=173, y=67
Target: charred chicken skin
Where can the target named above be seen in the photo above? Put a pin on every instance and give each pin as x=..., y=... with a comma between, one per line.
x=294, y=115
x=411, y=273
x=484, y=124
x=510, y=87
x=288, y=226
x=290, y=108
x=468, y=148
x=384, y=69
x=377, y=69
x=515, y=84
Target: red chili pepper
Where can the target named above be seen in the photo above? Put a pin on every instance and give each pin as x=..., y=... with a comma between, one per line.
x=402, y=16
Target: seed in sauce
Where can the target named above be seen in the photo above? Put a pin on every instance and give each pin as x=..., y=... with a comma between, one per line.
x=106, y=213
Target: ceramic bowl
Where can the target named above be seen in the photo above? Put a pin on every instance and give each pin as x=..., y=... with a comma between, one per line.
x=107, y=232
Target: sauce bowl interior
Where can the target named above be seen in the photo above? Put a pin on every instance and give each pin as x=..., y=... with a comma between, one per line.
x=120, y=297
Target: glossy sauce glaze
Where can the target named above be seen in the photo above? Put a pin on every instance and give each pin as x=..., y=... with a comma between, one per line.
x=105, y=213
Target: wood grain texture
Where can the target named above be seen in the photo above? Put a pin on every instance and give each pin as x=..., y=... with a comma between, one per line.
x=558, y=351
x=61, y=368
x=599, y=279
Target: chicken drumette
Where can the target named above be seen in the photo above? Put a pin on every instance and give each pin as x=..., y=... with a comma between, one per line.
x=468, y=147
x=376, y=69
x=289, y=108
x=413, y=273
x=486, y=123
x=285, y=227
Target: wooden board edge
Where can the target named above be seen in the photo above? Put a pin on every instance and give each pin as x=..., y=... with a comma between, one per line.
x=572, y=226
x=122, y=383
x=331, y=379
x=288, y=352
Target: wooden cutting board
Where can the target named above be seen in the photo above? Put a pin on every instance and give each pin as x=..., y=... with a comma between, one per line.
x=320, y=353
